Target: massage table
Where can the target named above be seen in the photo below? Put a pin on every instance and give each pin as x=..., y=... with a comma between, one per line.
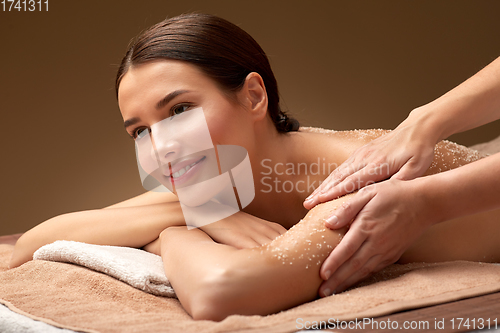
x=468, y=313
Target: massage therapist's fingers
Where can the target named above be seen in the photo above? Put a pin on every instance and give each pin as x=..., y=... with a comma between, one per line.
x=360, y=265
x=349, y=268
x=369, y=174
x=346, y=212
x=355, y=173
x=348, y=167
x=333, y=180
x=349, y=245
x=356, y=275
x=365, y=177
x=373, y=265
x=402, y=153
x=414, y=168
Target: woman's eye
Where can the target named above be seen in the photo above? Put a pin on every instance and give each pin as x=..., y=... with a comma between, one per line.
x=178, y=109
x=140, y=133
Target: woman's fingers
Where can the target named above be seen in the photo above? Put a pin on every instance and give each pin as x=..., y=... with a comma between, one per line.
x=153, y=247
x=278, y=228
x=264, y=237
x=242, y=231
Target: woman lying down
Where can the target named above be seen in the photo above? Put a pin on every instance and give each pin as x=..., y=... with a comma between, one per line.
x=267, y=257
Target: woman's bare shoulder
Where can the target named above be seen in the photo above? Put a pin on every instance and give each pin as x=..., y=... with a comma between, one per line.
x=345, y=141
x=450, y=155
x=355, y=135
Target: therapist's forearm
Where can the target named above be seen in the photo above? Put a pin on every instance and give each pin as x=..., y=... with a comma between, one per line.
x=467, y=190
x=471, y=104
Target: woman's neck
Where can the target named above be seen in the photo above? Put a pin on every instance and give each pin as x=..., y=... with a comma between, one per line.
x=285, y=172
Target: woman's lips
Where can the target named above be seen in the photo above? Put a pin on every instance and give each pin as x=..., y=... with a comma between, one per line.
x=182, y=171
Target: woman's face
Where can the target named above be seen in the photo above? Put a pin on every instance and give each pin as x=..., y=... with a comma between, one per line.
x=173, y=110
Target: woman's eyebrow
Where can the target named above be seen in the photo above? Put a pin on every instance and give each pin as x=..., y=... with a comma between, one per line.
x=131, y=121
x=164, y=101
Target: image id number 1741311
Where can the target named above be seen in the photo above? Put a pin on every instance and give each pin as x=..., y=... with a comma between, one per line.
x=25, y=5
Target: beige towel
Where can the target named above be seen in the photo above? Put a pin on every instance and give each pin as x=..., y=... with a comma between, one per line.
x=78, y=298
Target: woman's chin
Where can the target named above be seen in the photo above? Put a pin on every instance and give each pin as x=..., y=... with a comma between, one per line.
x=202, y=192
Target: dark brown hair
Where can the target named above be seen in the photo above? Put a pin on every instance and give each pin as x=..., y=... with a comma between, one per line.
x=222, y=50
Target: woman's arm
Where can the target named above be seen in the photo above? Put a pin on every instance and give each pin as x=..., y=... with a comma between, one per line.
x=127, y=226
x=102, y=226
x=137, y=222
x=148, y=198
x=214, y=280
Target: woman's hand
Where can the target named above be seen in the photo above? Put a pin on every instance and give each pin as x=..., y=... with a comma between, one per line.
x=386, y=219
x=405, y=153
x=243, y=230
x=153, y=247
x=240, y=230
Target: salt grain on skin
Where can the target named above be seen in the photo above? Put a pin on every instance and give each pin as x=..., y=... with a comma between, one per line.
x=449, y=155
x=459, y=154
x=317, y=130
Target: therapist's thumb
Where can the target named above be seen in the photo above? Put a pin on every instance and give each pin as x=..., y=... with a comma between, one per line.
x=414, y=167
x=348, y=210
x=409, y=171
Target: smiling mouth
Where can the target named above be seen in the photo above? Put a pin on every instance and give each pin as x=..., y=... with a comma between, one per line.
x=182, y=171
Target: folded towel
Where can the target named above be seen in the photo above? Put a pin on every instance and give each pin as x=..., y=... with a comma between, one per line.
x=138, y=268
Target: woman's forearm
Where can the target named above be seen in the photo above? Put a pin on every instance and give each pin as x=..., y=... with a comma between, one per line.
x=473, y=103
x=128, y=226
x=214, y=280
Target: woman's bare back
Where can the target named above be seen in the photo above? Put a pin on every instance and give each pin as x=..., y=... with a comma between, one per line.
x=473, y=237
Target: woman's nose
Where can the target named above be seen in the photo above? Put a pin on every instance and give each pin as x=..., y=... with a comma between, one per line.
x=167, y=150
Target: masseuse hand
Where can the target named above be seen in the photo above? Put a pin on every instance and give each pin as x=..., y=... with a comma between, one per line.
x=243, y=230
x=380, y=233
x=393, y=217
x=404, y=153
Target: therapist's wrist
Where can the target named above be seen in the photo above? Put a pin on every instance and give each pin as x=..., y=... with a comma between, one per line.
x=431, y=199
x=429, y=123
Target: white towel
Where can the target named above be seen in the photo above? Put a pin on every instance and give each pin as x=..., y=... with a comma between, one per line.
x=138, y=268
x=12, y=322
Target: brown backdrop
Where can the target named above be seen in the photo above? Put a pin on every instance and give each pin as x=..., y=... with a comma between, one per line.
x=340, y=65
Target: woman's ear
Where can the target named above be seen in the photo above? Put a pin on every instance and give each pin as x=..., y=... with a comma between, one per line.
x=255, y=95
